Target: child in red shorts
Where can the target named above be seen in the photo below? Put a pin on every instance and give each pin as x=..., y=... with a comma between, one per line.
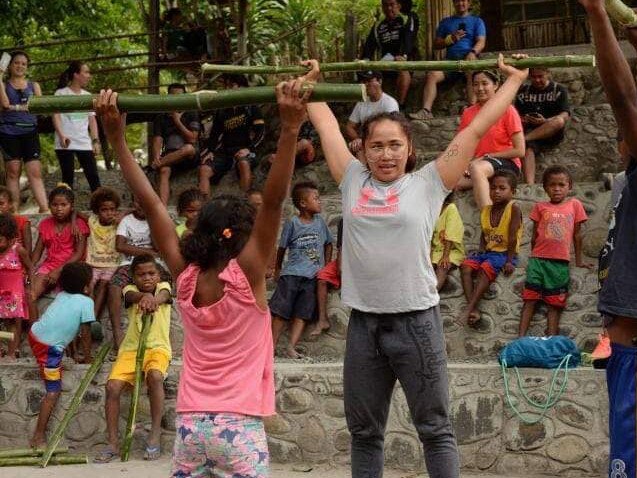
x=556, y=225
x=328, y=278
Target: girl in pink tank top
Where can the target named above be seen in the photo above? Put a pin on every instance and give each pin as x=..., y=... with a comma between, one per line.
x=227, y=383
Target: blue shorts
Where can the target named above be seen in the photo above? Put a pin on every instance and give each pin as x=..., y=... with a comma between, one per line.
x=620, y=379
x=491, y=263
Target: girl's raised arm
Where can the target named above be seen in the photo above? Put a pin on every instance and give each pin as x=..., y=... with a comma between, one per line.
x=255, y=256
x=337, y=154
x=455, y=160
x=161, y=225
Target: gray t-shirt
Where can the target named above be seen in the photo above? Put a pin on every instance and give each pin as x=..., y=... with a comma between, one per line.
x=387, y=229
x=366, y=109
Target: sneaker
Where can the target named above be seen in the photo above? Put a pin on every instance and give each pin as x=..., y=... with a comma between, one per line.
x=602, y=350
x=421, y=114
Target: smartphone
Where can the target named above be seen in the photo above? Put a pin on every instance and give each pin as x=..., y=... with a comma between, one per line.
x=462, y=26
x=4, y=61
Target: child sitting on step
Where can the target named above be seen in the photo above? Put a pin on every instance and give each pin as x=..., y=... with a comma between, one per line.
x=447, y=247
x=71, y=312
x=556, y=226
x=227, y=380
x=188, y=206
x=308, y=243
x=499, y=243
x=147, y=295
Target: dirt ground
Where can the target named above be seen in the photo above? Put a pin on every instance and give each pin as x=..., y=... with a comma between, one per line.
x=161, y=468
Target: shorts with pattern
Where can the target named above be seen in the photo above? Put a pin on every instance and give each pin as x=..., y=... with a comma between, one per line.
x=49, y=358
x=124, y=366
x=547, y=280
x=102, y=274
x=219, y=445
x=489, y=262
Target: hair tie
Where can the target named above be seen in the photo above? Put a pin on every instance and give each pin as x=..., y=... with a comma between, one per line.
x=63, y=185
x=226, y=233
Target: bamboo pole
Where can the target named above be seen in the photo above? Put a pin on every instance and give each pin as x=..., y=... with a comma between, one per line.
x=139, y=362
x=35, y=460
x=25, y=452
x=445, y=65
x=91, y=59
x=621, y=13
x=199, y=101
x=6, y=335
x=75, y=403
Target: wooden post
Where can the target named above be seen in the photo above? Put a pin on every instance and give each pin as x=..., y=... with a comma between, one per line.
x=242, y=30
x=312, y=47
x=491, y=13
x=351, y=37
x=153, y=58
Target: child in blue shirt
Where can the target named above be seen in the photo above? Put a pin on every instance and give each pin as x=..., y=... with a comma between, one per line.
x=71, y=312
x=308, y=242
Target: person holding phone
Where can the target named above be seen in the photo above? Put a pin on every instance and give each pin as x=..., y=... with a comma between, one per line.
x=545, y=110
x=464, y=36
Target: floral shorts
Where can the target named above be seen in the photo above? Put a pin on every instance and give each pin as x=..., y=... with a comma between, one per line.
x=219, y=445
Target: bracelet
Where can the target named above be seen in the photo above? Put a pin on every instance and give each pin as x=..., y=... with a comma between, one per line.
x=449, y=40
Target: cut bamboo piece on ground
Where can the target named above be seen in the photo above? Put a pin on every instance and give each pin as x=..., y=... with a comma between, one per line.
x=6, y=335
x=139, y=362
x=35, y=460
x=199, y=101
x=24, y=452
x=621, y=13
x=75, y=403
x=444, y=65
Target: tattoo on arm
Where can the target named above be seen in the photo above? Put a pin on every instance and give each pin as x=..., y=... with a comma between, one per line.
x=452, y=152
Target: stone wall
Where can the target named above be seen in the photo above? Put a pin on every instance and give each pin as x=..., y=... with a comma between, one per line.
x=570, y=440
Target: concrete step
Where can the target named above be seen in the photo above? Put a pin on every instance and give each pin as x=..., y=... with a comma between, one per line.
x=310, y=426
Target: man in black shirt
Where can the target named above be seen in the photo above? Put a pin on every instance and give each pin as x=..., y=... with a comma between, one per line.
x=174, y=145
x=236, y=132
x=393, y=38
x=544, y=108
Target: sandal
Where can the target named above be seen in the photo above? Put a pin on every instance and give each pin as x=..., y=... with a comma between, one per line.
x=152, y=452
x=106, y=456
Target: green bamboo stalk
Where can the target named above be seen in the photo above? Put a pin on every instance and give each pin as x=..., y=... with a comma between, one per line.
x=139, y=362
x=35, y=460
x=199, y=101
x=75, y=403
x=22, y=452
x=6, y=335
x=621, y=13
x=445, y=65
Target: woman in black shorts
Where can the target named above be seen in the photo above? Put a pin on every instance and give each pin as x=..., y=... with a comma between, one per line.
x=18, y=130
x=500, y=148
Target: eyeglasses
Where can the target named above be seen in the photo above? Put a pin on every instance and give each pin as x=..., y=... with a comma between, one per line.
x=393, y=151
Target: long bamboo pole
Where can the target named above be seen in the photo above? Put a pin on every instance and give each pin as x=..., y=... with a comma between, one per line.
x=139, y=362
x=75, y=403
x=621, y=13
x=199, y=101
x=444, y=65
x=35, y=460
x=22, y=452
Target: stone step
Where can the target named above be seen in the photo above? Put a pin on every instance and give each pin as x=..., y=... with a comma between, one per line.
x=310, y=426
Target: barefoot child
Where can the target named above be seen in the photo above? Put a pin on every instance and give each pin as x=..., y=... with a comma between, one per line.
x=447, y=248
x=14, y=265
x=227, y=379
x=188, y=206
x=101, y=253
x=147, y=295
x=308, y=243
x=556, y=226
x=499, y=243
x=329, y=277
x=57, y=241
x=71, y=312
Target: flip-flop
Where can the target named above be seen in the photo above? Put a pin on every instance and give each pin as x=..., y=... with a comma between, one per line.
x=152, y=453
x=105, y=456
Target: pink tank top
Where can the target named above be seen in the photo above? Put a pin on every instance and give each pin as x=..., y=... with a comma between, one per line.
x=228, y=357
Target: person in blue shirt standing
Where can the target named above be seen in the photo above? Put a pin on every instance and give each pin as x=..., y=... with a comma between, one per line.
x=464, y=36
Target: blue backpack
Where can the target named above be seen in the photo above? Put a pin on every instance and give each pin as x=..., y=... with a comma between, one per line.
x=556, y=352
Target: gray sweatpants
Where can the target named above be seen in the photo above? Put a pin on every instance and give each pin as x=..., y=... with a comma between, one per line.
x=409, y=347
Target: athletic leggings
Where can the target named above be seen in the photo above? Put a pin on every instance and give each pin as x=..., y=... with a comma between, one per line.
x=66, y=159
x=219, y=445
